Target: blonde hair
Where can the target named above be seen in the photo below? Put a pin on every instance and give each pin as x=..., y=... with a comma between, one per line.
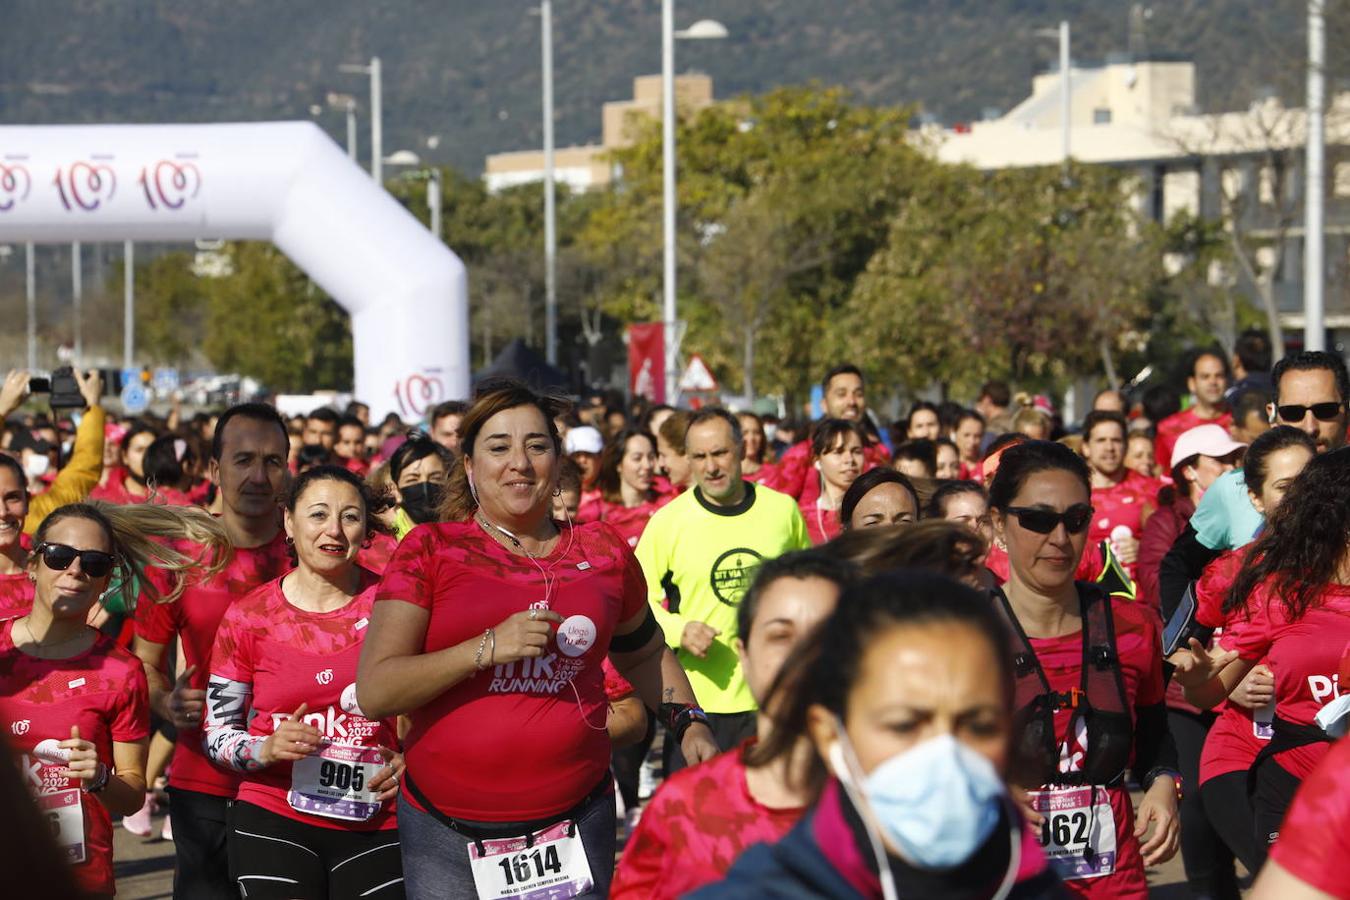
x=132, y=530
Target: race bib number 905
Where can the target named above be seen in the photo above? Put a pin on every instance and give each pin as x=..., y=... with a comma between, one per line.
x=332, y=782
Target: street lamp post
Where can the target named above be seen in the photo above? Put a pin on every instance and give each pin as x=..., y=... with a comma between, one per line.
x=431, y=174
x=376, y=123
x=1314, y=331
x=550, y=207
x=704, y=29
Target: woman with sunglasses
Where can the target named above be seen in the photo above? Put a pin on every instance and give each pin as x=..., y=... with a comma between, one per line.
x=1089, y=685
x=73, y=704
x=314, y=813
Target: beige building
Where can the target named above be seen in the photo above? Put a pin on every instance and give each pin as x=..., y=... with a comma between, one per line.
x=588, y=166
x=1138, y=115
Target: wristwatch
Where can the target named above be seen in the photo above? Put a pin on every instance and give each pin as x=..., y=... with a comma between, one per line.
x=679, y=716
x=1154, y=774
x=100, y=780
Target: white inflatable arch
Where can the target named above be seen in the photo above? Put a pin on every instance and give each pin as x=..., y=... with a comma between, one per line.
x=284, y=182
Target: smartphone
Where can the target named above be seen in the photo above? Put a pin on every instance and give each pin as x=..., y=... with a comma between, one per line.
x=39, y=385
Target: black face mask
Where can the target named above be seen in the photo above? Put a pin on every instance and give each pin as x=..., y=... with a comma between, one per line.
x=422, y=501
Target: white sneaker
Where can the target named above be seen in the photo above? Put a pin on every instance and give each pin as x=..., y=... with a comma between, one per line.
x=646, y=780
x=138, y=823
x=167, y=831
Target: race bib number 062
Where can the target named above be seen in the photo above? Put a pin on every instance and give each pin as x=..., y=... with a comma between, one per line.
x=1078, y=835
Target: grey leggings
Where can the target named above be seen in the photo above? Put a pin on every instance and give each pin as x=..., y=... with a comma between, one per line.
x=436, y=857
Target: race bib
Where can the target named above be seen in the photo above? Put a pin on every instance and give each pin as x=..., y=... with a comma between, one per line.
x=1079, y=838
x=65, y=817
x=332, y=782
x=553, y=866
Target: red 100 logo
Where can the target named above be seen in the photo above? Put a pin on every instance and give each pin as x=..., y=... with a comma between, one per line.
x=168, y=184
x=15, y=183
x=85, y=185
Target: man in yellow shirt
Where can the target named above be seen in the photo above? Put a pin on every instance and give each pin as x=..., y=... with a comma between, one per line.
x=700, y=553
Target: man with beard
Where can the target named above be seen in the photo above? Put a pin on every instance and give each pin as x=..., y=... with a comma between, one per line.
x=1207, y=383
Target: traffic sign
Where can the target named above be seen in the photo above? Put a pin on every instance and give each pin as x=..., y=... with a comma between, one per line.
x=697, y=376
x=166, y=381
x=135, y=398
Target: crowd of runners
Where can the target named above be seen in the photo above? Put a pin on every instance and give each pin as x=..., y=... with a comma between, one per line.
x=530, y=648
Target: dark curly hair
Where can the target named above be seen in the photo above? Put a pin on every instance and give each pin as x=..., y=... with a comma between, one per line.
x=1305, y=542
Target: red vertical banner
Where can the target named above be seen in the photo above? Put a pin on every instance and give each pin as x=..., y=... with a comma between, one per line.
x=647, y=361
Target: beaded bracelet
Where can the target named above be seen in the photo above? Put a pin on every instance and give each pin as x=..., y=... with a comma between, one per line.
x=478, y=654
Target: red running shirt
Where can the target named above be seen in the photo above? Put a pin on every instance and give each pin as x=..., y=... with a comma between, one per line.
x=16, y=595
x=1139, y=647
x=1174, y=426
x=290, y=656
x=114, y=490
x=697, y=824
x=103, y=691
x=629, y=522
x=1315, y=836
x=1304, y=655
x=195, y=616
x=1122, y=504
x=795, y=476
x=1231, y=744
x=522, y=740
x=821, y=524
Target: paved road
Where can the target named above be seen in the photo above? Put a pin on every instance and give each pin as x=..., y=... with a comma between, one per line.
x=145, y=870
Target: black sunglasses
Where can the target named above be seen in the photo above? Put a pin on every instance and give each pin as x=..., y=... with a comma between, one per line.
x=1323, y=412
x=94, y=563
x=1044, y=521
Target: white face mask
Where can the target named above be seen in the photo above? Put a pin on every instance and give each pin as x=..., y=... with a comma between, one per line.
x=37, y=465
x=937, y=803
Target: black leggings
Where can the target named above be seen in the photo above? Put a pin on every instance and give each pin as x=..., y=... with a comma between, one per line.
x=277, y=857
x=1230, y=812
x=1275, y=790
x=626, y=763
x=1207, y=858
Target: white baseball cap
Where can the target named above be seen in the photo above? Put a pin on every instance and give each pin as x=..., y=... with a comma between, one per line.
x=1211, y=440
x=583, y=439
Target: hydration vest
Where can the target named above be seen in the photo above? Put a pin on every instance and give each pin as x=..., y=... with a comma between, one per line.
x=1099, y=701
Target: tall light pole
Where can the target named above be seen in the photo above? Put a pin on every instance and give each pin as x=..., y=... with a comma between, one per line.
x=431, y=175
x=30, y=292
x=376, y=123
x=128, y=305
x=1065, y=90
x=550, y=206
x=704, y=29
x=1314, y=331
x=77, y=297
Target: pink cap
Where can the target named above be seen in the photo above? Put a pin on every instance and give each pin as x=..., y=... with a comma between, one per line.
x=1211, y=440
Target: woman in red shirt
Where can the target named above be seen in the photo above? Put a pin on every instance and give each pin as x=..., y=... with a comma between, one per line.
x=702, y=818
x=73, y=704
x=1308, y=862
x=903, y=694
x=837, y=453
x=317, y=775
x=488, y=630
x=1295, y=596
x=755, y=465
x=627, y=499
x=16, y=588
x=1242, y=728
x=1089, y=685
x=126, y=483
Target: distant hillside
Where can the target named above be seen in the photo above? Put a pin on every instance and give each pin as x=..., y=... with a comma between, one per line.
x=468, y=70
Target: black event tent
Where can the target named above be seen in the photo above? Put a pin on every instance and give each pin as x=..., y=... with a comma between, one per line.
x=517, y=360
